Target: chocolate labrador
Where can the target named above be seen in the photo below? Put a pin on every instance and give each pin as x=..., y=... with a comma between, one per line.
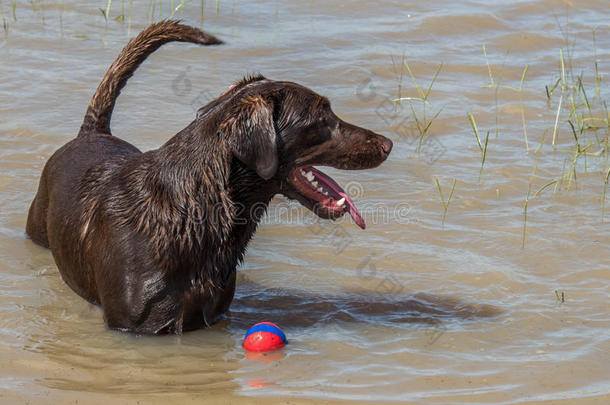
x=155, y=237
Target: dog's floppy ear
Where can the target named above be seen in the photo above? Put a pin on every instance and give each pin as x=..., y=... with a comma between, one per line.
x=250, y=131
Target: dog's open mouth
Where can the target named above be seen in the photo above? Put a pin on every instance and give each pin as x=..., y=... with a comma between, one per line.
x=322, y=194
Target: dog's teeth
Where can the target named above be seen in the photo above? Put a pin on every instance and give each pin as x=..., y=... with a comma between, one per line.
x=303, y=172
x=315, y=183
x=309, y=176
x=325, y=192
x=320, y=189
x=340, y=202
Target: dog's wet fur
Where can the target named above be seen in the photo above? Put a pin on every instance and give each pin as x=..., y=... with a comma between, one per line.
x=155, y=237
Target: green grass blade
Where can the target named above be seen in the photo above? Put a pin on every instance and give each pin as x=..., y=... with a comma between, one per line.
x=419, y=90
x=433, y=80
x=473, y=124
x=557, y=119
x=523, y=77
x=491, y=77
x=584, y=93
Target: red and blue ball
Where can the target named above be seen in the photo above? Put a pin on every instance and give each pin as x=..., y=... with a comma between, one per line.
x=264, y=336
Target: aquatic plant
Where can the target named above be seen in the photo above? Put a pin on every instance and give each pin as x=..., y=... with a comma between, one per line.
x=422, y=123
x=443, y=202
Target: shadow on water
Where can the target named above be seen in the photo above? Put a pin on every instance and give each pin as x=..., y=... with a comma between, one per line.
x=80, y=347
x=292, y=308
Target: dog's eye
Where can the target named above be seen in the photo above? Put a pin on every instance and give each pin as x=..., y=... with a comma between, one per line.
x=320, y=133
x=329, y=121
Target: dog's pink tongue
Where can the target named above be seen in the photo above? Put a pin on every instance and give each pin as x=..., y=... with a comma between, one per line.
x=331, y=184
x=353, y=211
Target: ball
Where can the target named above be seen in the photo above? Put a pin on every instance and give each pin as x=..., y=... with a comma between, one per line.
x=264, y=336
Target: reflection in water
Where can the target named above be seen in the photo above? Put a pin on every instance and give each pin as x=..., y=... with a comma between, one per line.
x=294, y=309
x=141, y=364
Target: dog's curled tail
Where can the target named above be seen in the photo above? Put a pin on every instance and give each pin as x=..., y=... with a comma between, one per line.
x=98, y=114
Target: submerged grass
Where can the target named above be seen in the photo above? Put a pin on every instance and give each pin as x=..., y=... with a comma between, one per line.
x=14, y=9
x=482, y=146
x=443, y=202
x=155, y=10
x=497, y=85
x=575, y=107
x=586, y=117
x=585, y=121
x=422, y=122
x=606, y=177
x=560, y=296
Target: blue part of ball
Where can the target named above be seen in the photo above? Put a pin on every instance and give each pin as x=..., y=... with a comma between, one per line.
x=267, y=328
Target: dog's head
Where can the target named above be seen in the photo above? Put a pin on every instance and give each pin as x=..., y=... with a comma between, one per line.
x=281, y=130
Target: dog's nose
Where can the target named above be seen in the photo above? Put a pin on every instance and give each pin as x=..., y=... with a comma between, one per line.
x=386, y=145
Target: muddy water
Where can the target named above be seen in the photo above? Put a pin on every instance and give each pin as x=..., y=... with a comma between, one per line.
x=413, y=309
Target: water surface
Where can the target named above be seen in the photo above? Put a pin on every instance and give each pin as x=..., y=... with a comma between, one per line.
x=413, y=309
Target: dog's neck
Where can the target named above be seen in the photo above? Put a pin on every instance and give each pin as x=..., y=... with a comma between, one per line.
x=220, y=200
x=251, y=196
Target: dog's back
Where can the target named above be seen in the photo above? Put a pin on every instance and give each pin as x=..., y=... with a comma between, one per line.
x=53, y=216
x=61, y=177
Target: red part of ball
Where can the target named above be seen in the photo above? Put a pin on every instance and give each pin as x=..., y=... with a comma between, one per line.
x=263, y=337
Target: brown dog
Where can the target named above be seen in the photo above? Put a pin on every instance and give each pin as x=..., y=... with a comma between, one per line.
x=155, y=237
